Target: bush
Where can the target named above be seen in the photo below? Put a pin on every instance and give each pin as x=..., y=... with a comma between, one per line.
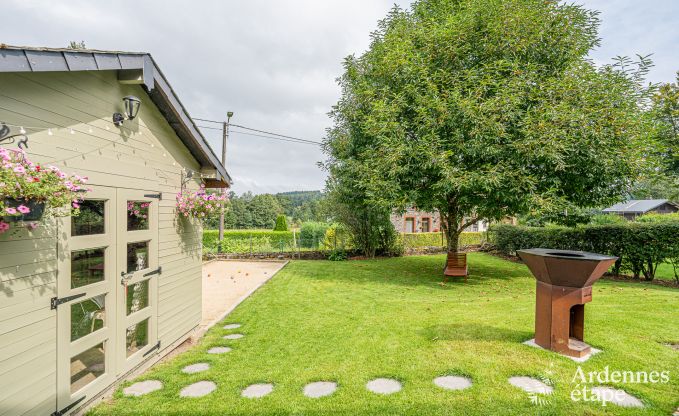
x=418, y=240
x=245, y=241
x=311, y=234
x=658, y=217
x=337, y=237
x=281, y=223
x=640, y=247
x=606, y=219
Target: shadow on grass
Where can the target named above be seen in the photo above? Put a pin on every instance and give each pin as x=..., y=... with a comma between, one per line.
x=474, y=332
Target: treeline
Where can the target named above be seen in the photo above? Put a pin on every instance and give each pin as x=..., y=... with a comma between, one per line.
x=248, y=211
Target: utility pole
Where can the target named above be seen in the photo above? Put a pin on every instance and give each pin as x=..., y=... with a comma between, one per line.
x=225, y=136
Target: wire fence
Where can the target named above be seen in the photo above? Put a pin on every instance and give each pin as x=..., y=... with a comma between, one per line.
x=254, y=243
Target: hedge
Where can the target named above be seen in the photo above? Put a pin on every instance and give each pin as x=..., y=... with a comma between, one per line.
x=419, y=240
x=244, y=241
x=640, y=247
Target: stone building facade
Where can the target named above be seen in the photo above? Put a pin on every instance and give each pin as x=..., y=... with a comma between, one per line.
x=416, y=221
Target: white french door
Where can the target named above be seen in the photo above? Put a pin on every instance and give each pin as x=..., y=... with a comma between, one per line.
x=107, y=285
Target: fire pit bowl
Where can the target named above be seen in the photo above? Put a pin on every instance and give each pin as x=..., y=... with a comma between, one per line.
x=564, y=285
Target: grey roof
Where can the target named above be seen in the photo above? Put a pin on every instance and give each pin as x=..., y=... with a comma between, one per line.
x=32, y=59
x=636, y=206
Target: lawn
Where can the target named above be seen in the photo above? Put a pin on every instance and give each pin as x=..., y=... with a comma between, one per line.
x=353, y=321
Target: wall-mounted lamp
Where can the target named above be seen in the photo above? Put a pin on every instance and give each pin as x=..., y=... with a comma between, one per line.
x=132, y=105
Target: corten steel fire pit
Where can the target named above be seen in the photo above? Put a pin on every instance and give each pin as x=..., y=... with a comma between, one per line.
x=564, y=285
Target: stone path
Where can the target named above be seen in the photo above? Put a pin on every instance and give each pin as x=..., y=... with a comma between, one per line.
x=218, y=350
x=198, y=389
x=530, y=385
x=384, y=386
x=143, y=387
x=619, y=397
x=196, y=368
x=255, y=391
x=320, y=389
x=453, y=382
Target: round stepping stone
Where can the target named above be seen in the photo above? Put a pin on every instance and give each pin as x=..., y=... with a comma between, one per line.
x=615, y=396
x=384, y=386
x=232, y=326
x=453, y=382
x=195, y=368
x=233, y=336
x=530, y=385
x=143, y=387
x=218, y=350
x=198, y=389
x=320, y=389
x=256, y=391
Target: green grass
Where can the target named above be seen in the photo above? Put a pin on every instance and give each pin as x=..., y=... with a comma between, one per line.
x=665, y=271
x=353, y=321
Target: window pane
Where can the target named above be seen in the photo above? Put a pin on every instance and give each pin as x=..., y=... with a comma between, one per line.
x=87, y=267
x=137, y=296
x=137, y=215
x=137, y=336
x=410, y=225
x=137, y=256
x=425, y=225
x=91, y=218
x=87, y=316
x=87, y=366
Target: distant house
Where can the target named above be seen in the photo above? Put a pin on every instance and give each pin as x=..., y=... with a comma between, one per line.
x=636, y=207
x=415, y=221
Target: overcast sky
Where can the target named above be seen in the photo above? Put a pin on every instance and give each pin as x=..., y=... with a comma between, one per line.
x=274, y=62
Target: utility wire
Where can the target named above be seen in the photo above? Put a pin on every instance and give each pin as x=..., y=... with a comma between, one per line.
x=259, y=131
x=301, y=141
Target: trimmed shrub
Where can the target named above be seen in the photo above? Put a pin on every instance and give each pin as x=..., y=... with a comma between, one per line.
x=312, y=234
x=640, y=247
x=658, y=217
x=245, y=241
x=421, y=240
x=281, y=223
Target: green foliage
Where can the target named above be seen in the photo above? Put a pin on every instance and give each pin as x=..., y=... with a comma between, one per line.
x=337, y=255
x=281, y=223
x=641, y=247
x=303, y=206
x=337, y=237
x=248, y=211
x=245, y=241
x=420, y=240
x=652, y=217
x=607, y=219
x=487, y=109
x=312, y=234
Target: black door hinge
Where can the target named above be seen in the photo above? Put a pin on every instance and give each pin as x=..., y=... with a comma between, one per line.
x=157, y=196
x=159, y=270
x=155, y=347
x=55, y=301
x=67, y=408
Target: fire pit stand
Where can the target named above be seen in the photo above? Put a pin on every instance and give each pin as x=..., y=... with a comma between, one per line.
x=564, y=285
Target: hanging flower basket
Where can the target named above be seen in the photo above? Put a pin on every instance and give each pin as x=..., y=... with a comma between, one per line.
x=23, y=210
x=198, y=204
x=29, y=191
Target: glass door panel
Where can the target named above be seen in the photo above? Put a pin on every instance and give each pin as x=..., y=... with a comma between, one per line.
x=86, y=283
x=137, y=242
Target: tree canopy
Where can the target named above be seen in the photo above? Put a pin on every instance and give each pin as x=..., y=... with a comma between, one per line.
x=482, y=109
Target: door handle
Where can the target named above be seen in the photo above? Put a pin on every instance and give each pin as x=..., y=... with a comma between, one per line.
x=125, y=277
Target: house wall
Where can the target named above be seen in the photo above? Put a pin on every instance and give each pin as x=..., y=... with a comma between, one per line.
x=150, y=159
x=399, y=221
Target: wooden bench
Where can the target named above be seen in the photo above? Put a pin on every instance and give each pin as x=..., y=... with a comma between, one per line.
x=456, y=265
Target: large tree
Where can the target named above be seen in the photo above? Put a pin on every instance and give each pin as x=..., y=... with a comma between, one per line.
x=482, y=109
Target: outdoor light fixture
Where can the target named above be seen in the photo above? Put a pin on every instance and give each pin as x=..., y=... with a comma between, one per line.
x=132, y=105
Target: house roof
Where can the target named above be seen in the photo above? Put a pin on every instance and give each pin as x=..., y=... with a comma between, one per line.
x=636, y=206
x=135, y=67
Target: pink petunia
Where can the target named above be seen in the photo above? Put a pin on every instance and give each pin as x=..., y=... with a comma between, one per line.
x=3, y=227
x=32, y=225
x=11, y=211
x=75, y=204
x=23, y=209
x=20, y=169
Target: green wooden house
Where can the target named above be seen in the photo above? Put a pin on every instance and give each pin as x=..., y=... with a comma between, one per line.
x=86, y=301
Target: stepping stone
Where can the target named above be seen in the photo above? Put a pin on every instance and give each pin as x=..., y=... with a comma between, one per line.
x=198, y=389
x=255, y=391
x=195, y=368
x=233, y=336
x=530, y=385
x=143, y=387
x=453, y=382
x=384, y=386
x=218, y=350
x=615, y=396
x=232, y=326
x=320, y=389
